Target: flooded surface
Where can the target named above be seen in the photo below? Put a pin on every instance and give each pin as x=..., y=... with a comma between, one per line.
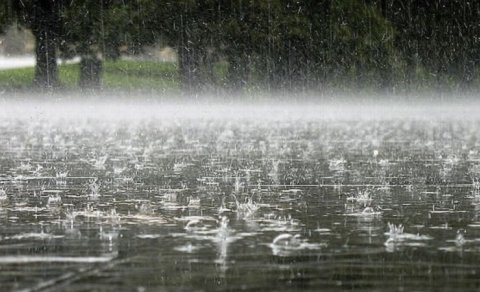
x=172, y=203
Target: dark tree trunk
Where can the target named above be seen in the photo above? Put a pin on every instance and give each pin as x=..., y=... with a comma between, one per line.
x=43, y=17
x=410, y=73
x=46, y=59
x=186, y=68
x=191, y=69
x=237, y=74
x=383, y=8
x=90, y=72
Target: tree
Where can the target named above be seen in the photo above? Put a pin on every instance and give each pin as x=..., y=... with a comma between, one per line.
x=192, y=28
x=6, y=15
x=43, y=18
x=103, y=29
x=84, y=36
x=275, y=44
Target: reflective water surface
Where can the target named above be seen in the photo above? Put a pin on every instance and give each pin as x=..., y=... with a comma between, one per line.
x=229, y=204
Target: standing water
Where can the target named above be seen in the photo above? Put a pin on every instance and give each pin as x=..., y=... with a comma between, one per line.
x=256, y=198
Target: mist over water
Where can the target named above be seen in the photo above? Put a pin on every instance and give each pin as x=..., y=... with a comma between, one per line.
x=108, y=193
x=122, y=106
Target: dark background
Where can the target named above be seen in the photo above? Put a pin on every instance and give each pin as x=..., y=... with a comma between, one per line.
x=386, y=46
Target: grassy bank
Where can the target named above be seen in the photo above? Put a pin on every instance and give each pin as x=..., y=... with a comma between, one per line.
x=126, y=75
x=157, y=78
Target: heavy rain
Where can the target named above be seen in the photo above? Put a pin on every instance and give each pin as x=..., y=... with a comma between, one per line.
x=239, y=145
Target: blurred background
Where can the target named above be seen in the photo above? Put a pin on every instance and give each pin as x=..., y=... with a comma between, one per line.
x=212, y=46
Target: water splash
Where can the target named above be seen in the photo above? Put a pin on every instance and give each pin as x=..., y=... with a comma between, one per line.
x=3, y=197
x=397, y=238
x=362, y=197
x=94, y=189
x=246, y=209
x=286, y=244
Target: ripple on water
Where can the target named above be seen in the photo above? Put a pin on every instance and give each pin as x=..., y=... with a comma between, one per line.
x=185, y=201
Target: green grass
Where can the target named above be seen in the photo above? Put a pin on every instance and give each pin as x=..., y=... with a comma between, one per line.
x=132, y=75
x=14, y=79
x=140, y=75
x=156, y=77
